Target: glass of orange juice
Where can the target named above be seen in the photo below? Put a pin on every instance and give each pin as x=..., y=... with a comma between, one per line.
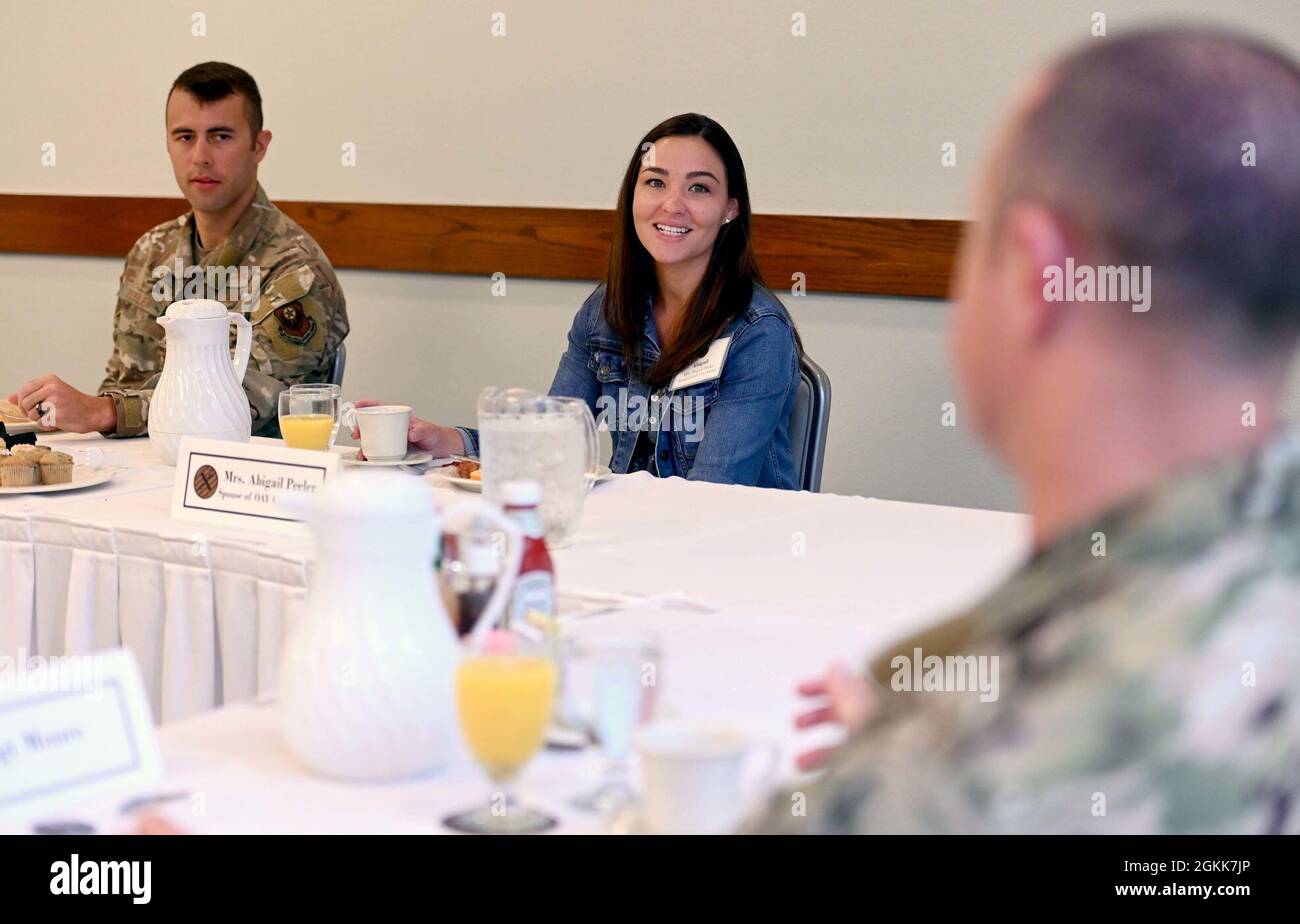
x=309, y=418
x=505, y=691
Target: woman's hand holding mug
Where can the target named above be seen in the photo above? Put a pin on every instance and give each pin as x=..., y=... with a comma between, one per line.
x=420, y=435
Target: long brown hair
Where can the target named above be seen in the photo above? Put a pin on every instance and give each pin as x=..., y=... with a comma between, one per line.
x=728, y=282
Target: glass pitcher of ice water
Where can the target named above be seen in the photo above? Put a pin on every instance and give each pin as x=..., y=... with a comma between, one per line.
x=550, y=440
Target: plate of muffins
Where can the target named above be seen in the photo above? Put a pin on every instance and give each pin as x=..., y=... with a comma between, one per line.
x=40, y=469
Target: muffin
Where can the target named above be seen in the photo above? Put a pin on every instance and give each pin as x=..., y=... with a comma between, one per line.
x=56, y=467
x=19, y=471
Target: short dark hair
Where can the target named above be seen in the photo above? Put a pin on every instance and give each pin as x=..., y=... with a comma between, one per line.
x=215, y=80
x=1139, y=144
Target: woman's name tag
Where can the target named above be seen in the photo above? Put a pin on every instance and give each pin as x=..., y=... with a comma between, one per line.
x=705, y=369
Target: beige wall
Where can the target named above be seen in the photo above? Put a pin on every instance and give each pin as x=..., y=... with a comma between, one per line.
x=848, y=119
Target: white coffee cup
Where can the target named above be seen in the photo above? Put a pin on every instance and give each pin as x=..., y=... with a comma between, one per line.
x=383, y=430
x=693, y=776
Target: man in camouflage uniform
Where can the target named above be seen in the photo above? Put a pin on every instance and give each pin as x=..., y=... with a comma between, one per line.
x=1147, y=655
x=233, y=234
x=298, y=317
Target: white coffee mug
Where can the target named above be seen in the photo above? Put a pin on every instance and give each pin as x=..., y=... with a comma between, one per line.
x=693, y=776
x=383, y=430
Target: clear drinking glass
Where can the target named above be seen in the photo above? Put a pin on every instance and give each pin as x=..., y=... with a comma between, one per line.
x=505, y=692
x=309, y=419
x=617, y=680
x=325, y=388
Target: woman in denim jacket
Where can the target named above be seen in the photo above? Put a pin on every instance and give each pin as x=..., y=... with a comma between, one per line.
x=682, y=298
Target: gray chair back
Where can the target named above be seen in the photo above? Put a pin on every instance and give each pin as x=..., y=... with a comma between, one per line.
x=809, y=422
x=340, y=363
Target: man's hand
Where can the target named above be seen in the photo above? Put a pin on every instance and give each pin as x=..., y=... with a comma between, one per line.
x=423, y=435
x=847, y=701
x=54, y=403
x=152, y=823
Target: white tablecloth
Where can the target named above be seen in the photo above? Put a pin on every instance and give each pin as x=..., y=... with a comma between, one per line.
x=732, y=668
x=230, y=770
x=204, y=609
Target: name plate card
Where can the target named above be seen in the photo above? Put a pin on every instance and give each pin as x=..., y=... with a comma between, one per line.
x=73, y=728
x=248, y=485
x=705, y=369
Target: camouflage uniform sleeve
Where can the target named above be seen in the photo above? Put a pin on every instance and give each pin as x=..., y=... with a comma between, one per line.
x=298, y=323
x=1162, y=704
x=136, y=363
x=889, y=778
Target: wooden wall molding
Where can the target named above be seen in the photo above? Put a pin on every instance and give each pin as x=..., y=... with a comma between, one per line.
x=864, y=256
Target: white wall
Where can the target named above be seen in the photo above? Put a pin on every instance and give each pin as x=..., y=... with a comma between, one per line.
x=846, y=120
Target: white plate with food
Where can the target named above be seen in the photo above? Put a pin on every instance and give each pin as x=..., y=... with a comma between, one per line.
x=461, y=474
x=411, y=458
x=81, y=478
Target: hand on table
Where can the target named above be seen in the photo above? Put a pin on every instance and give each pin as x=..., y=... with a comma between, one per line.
x=153, y=824
x=56, y=404
x=422, y=435
x=847, y=701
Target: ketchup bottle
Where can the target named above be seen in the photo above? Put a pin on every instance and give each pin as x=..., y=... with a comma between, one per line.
x=476, y=579
x=535, y=588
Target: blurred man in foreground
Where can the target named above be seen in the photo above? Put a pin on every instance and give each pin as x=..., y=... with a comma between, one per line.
x=1128, y=308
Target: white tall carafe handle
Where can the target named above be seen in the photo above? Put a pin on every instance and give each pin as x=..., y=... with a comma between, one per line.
x=505, y=586
x=243, y=344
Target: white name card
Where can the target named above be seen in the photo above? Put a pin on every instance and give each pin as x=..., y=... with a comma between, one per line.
x=73, y=728
x=705, y=369
x=247, y=485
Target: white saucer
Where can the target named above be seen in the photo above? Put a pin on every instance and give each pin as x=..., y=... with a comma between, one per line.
x=412, y=458
x=81, y=478
x=469, y=484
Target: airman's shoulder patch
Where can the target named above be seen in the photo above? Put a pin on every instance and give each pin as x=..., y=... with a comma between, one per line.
x=296, y=325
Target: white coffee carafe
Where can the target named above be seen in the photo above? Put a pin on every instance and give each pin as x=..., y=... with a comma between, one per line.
x=367, y=685
x=200, y=392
